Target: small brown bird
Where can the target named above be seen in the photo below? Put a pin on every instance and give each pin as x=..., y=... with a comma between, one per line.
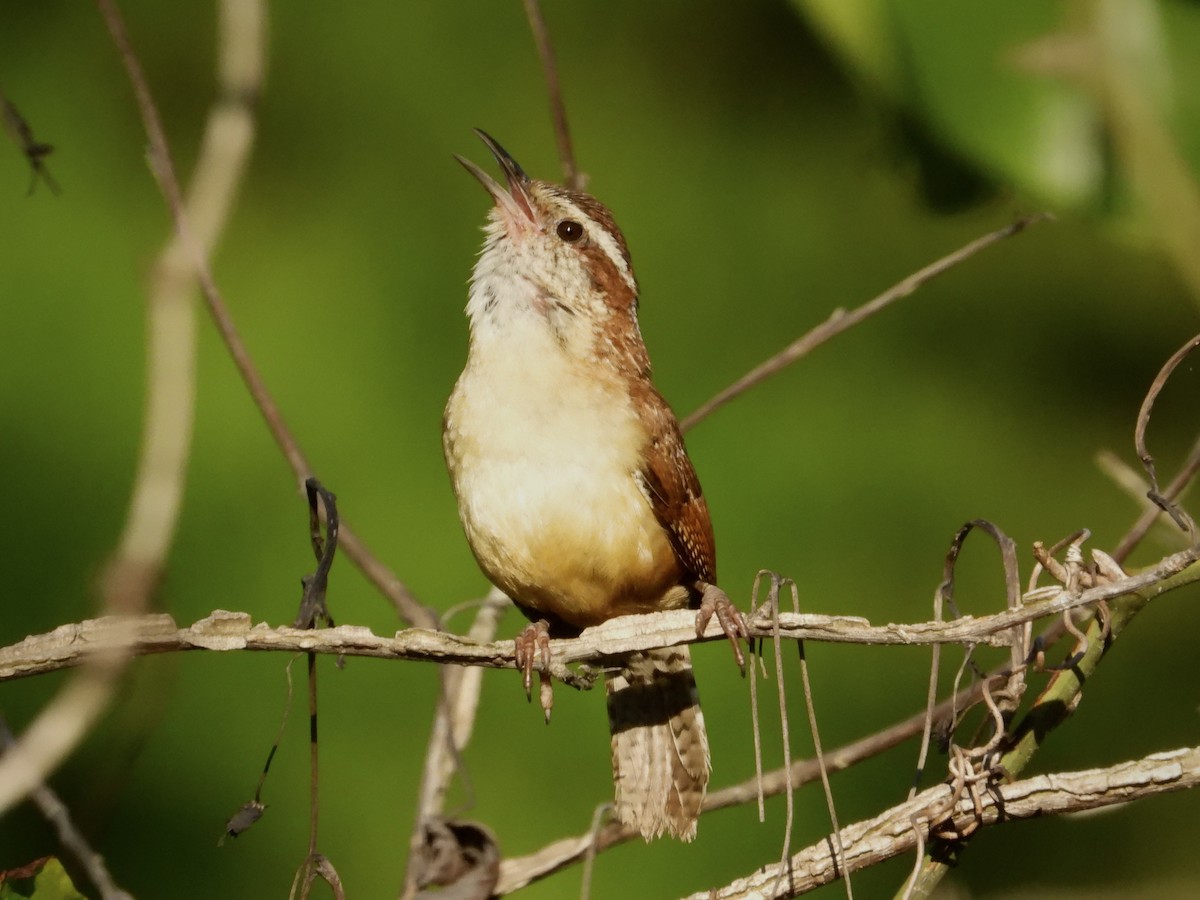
x=574, y=488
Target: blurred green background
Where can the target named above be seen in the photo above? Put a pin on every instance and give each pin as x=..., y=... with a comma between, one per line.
x=768, y=163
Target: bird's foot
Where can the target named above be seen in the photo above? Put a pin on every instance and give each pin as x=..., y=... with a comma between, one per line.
x=531, y=644
x=713, y=600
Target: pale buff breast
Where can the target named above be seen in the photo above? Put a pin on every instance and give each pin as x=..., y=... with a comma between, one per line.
x=544, y=461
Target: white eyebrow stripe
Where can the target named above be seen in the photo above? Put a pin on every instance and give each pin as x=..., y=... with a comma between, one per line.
x=601, y=236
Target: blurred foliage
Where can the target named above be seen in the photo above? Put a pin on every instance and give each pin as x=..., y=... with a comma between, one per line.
x=45, y=879
x=768, y=163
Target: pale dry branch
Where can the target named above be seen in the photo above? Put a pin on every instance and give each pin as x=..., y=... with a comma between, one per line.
x=61, y=724
x=518, y=872
x=891, y=833
x=453, y=725
x=163, y=166
x=70, y=645
x=458, y=708
x=171, y=311
x=134, y=571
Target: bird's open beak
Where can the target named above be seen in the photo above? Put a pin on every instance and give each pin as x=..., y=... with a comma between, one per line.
x=514, y=202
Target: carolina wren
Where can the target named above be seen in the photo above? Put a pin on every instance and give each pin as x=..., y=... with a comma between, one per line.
x=574, y=488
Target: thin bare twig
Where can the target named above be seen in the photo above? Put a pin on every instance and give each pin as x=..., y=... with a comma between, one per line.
x=784, y=724
x=164, y=170
x=1181, y=518
x=252, y=810
x=755, y=664
x=171, y=317
x=589, y=858
x=910, y=883
x=839, y=852
x=935, y=662
x=1183, y=478
x=840, y=320
x=317, y=866
x=558, y=109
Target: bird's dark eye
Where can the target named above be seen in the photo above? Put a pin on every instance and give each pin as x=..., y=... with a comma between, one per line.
x=570, y=230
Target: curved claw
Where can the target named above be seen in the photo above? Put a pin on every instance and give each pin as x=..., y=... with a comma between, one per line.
x=534, y=642
x=714, y=600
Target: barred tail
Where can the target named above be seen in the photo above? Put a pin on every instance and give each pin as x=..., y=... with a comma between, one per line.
x=659, y=745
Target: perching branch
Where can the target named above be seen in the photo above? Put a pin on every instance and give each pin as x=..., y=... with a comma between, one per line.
x=70, y=645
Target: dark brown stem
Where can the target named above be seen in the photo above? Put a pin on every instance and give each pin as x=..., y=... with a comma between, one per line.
x=313, y=754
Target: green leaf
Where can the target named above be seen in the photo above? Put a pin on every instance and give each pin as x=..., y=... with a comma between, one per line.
x=44, y=879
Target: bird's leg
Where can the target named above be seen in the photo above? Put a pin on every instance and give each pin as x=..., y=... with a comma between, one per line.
x=714, y=600
x=532, y=642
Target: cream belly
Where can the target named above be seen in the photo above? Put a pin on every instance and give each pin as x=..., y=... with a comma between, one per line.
x=544, y=465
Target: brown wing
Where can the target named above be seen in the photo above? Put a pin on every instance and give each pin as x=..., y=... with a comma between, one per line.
x=674, y=490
